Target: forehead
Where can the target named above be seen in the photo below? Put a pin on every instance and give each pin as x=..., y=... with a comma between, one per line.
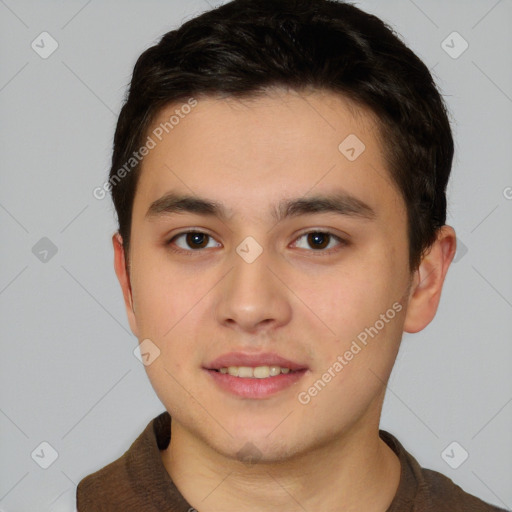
x=252, y=152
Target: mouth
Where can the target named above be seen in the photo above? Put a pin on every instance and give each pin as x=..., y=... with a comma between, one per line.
x=254, y=375
x=258, y=372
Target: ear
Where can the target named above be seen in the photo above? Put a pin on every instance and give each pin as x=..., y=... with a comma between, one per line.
x=428, y=279
x=123, y=276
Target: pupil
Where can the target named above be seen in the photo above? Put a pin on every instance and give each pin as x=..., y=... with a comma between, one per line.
x=315, y=238
x=196, y=239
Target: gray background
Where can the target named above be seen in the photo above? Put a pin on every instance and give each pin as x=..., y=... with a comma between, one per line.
x=68, y=373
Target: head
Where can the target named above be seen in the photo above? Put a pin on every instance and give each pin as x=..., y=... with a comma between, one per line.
x=272, y=117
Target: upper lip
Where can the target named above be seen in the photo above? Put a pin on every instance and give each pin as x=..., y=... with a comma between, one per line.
x=252, y=360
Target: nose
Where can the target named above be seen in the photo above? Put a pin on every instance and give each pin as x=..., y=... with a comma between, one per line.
x=253, y=296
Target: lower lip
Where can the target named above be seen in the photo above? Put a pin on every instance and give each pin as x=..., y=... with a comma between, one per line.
x=252, y=387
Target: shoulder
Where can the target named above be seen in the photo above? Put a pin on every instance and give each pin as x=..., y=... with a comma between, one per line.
x=100, y=489
x=425, y=490
x=445, y=494
x=122, y=482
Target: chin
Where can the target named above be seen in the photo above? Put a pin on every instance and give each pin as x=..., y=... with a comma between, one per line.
x=251, y=451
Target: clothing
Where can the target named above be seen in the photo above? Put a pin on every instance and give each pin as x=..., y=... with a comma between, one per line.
x=139, y=482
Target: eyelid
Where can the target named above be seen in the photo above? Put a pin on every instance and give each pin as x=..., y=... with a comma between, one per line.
x=187, y=232
x=342, y=241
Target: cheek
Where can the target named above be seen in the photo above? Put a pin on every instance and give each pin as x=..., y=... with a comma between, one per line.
x=358, y=295
x=158, y=296
x=363, y=303
x=170, y=310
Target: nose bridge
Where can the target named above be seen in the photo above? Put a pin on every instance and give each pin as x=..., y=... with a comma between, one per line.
x=251, y=295
x=251, y=262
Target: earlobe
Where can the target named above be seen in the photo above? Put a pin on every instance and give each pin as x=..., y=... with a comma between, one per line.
x=123, y=276
x=428, y=281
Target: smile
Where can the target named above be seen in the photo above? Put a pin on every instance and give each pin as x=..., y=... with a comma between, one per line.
x=258, y=372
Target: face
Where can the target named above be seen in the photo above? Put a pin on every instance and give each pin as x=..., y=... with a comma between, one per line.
x=296, y=276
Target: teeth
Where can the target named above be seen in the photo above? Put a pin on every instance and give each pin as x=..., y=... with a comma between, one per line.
x=259, y=372
x=245, y=371
x=276, y=370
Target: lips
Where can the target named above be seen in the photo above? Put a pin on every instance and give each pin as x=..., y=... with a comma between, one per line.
x=238, y=359
x=254, y=376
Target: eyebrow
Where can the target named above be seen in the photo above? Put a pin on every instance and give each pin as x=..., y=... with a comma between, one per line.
x=340, y=203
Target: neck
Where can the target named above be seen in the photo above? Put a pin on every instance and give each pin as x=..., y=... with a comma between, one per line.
x=355, y=472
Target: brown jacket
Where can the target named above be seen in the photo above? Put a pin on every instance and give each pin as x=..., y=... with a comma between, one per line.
x=139, y=482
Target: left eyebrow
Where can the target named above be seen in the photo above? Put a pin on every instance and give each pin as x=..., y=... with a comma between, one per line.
x=340, y=203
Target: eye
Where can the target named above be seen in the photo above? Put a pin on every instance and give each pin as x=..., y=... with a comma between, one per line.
x=320, y=240
x=195, y=240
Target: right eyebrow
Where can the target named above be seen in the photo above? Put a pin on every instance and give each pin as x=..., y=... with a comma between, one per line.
x=177, y=203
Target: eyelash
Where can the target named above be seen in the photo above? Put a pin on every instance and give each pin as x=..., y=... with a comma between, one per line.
x=342, y=242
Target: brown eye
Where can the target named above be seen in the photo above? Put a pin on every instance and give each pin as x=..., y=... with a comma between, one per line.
x=196, y=240
x=319, y=241
x=193, y=241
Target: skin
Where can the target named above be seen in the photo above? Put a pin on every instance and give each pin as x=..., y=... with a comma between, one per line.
x=304, y=303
